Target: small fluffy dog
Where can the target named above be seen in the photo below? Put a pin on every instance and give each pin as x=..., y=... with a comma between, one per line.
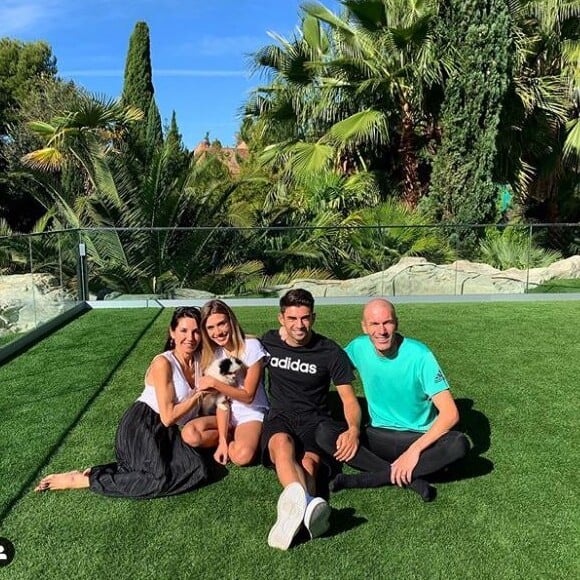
x=223, y=370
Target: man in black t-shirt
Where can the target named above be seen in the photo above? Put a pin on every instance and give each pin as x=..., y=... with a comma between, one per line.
x=301, y=368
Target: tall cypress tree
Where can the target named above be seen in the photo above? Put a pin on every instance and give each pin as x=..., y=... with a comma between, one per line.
x=462, y=182
x=138, y=91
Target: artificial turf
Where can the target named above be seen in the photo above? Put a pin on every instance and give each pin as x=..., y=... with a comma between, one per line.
x=510, y=510
x=558, y=286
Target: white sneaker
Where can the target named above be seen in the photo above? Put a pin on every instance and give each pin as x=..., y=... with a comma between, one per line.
x=316, y=517
x=291, y=511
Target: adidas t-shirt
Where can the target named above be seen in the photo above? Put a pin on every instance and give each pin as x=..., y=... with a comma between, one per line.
x=300, y=377
x=399, y=389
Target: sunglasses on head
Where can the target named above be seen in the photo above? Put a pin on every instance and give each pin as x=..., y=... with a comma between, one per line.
x=186, y=311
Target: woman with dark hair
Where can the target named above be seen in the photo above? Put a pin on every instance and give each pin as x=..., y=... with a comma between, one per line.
x=152, y=458
x=238, y=437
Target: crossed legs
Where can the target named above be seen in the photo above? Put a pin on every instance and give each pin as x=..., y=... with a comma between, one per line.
x=380, y=447
x=390, y=444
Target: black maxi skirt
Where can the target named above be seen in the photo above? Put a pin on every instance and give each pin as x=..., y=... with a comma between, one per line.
x=152, y=460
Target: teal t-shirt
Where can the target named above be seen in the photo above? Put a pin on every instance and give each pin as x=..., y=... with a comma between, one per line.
x=399, y=389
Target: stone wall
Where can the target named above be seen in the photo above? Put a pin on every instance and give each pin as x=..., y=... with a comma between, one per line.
x=28, y=300
x=418, y=277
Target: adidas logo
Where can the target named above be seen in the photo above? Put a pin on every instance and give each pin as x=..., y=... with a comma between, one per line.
x=440, y=377
x=293, y=365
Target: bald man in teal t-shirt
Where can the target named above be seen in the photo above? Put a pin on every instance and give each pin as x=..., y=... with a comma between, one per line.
x=399, y=389
x=411, y=408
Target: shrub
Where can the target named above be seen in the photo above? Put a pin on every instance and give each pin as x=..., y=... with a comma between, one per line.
x=512, y=247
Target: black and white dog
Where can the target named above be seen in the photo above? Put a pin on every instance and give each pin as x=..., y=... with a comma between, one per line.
x=223, y=370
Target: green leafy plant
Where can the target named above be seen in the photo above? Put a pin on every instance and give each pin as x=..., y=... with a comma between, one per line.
x=392, y=231
x=512, y=247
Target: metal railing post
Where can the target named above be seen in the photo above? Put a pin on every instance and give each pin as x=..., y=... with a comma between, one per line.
x=528, y=259
x=82, y=273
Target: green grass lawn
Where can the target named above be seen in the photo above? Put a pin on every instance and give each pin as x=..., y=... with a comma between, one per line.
x=511, y=510
x=558, y=286
x=8, y=338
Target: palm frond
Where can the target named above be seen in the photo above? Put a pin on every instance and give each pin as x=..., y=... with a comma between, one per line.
x=45, y=159
x=308, y=158
x=368, y=125
x=323, y=14
x=571, y=148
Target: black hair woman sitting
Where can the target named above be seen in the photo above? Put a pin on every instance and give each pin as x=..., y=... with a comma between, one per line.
x=152, y=458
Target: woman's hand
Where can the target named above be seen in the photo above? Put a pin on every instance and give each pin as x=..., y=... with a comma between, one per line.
x=207, y=384
x=221, y=453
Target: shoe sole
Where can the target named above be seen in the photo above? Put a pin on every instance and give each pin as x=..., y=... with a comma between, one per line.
x=291, y=509
x=316, y=519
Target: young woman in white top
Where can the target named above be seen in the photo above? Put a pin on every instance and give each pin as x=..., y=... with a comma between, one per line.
x=222, y=336
x=152, y=458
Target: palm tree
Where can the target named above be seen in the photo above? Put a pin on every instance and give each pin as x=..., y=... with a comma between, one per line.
x=306, y=226
x=84, y=138
x=116, y=210
x=540, y=130
x=350, y=83
x=150, y=251
x=388, y=53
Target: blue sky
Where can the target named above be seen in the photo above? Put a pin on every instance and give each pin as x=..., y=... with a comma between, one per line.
x=199, y=49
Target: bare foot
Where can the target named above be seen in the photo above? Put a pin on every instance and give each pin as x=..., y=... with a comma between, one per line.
x=68, y=480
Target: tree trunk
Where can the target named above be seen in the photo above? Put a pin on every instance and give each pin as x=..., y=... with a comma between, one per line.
x=409, y=161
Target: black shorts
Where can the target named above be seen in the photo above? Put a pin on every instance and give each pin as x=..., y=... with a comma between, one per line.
x=300, y=426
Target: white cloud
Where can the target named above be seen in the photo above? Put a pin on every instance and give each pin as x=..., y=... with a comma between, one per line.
x=30, y=16
x=17, y=17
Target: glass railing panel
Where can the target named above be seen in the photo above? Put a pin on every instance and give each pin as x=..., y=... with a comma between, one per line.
x=36, y=281
x=554, y=256
x=42, y=275
x=149, y=263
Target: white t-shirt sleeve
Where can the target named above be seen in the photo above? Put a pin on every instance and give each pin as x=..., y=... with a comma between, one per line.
x=254, y=352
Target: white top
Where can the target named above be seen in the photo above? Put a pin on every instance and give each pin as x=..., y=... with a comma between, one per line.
x=253, y=352
x=182, y=388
